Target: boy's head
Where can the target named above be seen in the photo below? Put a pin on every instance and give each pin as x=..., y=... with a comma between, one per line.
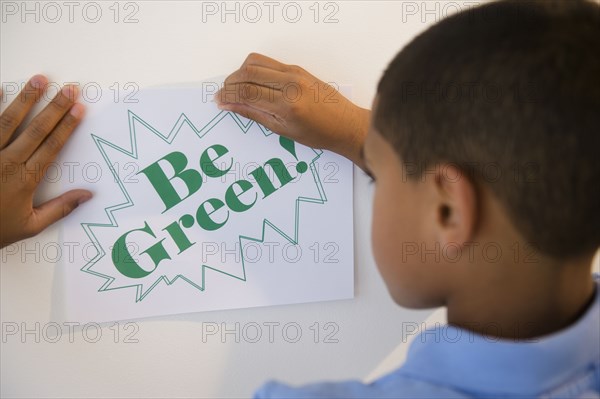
x=485, y=136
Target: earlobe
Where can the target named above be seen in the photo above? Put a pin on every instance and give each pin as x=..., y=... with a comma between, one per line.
x=457, y=206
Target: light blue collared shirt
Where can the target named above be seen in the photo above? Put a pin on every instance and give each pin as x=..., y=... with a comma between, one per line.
x=450, y=362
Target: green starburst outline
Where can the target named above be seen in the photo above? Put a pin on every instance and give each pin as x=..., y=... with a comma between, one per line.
x=101, y=144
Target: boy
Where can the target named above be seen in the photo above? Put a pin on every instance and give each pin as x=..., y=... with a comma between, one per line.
x=483, y=143
x=484, y=134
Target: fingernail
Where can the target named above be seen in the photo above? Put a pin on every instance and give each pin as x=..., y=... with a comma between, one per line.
x=84, y=198
x=70, y=91
x=77, y=110
x=39, y=81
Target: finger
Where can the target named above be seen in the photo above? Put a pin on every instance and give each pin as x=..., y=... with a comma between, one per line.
x=12, y=117
x=44, y=122
x=56, y=209
x=259, y=97
x=260, y=76
x=269, y=121
x=264, y=61
x=253, y=74
x=48, y=150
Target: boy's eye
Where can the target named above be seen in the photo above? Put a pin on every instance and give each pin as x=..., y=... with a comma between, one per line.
x=371, y=178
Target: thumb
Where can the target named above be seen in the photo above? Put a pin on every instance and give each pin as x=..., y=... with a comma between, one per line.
x=57, y=208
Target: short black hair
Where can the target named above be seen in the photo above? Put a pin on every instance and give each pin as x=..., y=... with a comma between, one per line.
x=510, y=93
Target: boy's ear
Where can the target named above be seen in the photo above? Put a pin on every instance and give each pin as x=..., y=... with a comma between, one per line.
x=457, y=205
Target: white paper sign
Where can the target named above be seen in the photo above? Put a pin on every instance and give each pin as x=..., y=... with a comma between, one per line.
x=198, y=209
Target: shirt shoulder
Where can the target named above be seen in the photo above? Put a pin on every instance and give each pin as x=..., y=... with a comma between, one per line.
x=393, y=385
x=566, y=364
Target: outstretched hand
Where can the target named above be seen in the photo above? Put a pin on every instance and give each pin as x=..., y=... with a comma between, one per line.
x=25, y=157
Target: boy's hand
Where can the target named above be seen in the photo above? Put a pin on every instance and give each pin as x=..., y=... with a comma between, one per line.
x=293, y=103
x=24, y=159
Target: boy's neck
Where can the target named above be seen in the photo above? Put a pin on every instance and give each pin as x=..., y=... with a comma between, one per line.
x=523, y=300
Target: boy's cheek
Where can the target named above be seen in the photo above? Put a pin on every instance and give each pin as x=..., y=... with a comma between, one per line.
x=397, y=229
x=382, y=234
x=388, y=234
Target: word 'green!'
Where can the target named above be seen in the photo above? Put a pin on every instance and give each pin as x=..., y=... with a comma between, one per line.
x=211, y=214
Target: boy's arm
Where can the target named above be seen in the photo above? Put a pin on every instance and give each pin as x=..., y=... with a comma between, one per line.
x=293, y=103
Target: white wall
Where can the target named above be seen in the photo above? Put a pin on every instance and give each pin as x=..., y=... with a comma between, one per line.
x=171, y=43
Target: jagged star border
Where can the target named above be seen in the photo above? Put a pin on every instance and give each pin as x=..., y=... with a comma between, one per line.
x=133, y=118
